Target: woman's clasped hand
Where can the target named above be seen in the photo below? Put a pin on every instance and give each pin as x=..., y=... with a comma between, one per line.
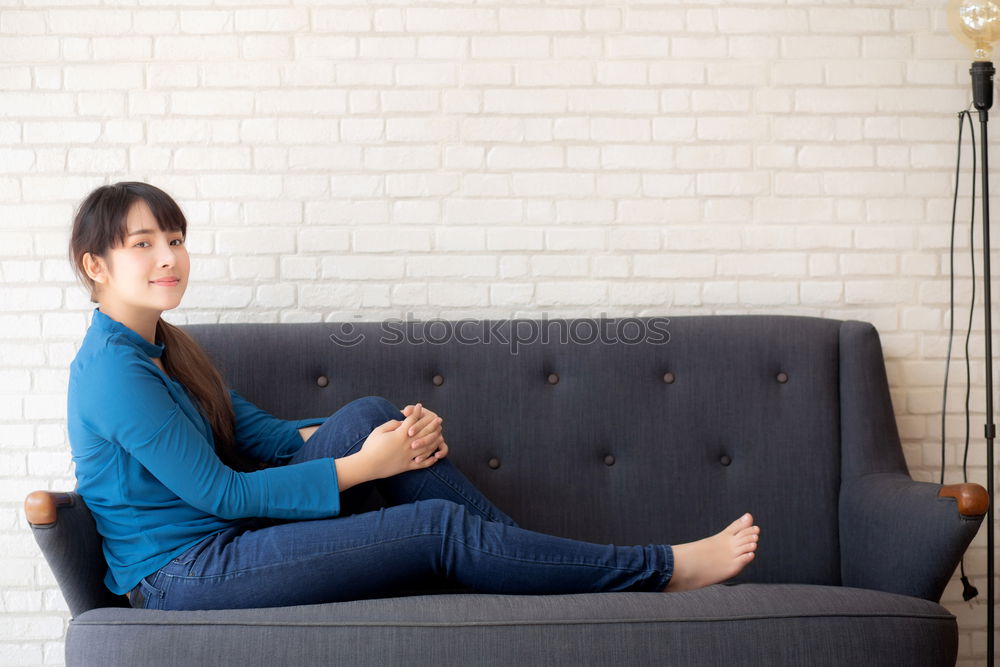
x=400, y=446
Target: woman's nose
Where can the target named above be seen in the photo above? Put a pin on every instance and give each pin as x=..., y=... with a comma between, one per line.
x=167, y=257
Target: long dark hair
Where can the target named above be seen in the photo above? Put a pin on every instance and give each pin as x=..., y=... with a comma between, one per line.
x=100, y=224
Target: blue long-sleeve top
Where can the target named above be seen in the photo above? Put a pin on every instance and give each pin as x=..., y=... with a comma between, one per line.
x=146, y=463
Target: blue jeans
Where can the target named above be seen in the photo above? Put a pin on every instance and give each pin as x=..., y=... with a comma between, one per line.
x=438, y=526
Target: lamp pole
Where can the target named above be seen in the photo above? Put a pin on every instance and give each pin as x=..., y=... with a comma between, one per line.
x=982, y=98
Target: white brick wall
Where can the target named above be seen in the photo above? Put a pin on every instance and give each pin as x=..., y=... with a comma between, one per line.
x=496, y=160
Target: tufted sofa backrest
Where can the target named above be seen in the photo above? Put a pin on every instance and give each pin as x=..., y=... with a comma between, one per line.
x=606, y=430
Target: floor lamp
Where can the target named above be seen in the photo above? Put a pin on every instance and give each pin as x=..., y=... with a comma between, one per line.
x=976, y=23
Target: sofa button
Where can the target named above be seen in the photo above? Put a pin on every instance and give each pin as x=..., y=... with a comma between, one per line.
x=494, y=463
x=322, y=381
x=668, y=378
x=782, y=378
x=553, y=378
x=725, y=460
x=609, y=460
x=438, y=380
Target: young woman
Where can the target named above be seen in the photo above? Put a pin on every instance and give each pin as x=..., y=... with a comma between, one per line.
x=205, y=501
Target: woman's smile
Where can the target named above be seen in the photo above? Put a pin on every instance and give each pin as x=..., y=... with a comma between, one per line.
x=166, y=282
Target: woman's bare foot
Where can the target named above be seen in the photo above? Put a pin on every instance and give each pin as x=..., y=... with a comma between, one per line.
x=714, y=558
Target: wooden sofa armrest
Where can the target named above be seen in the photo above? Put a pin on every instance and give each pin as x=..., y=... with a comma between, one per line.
x=41, y=507
x=972, y=499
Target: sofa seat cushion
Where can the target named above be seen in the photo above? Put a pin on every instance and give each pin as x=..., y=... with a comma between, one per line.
x=744, y=624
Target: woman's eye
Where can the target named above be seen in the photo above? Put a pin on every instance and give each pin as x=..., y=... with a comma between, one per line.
x=179, y=242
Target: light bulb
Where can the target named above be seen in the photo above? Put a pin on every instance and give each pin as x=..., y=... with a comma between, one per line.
x=975, y=23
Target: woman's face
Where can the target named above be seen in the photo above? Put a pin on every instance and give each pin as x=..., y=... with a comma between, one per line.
x=148, y=255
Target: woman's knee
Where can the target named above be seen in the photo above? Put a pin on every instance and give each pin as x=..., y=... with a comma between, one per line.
x=376, y=409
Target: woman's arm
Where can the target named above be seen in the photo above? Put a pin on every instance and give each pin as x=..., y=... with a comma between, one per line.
x=352, y=470
x=125, y=402
x=307, y=431
x=264, y=437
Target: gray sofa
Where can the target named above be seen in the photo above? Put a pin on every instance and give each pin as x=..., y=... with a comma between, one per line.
x=626, y=441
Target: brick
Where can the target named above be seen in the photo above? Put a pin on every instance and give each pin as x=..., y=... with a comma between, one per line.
x=737, y=74
x=773, y=100
x=767, y=293
x=311, y=47
x=577, y=238
x=724, y=100
x=481, y=211
x=559, y=265
x=695, y=47
x=608, y=266
x=501, y=46
x=451, y=265
x=844, y=100
x=868, y=264
x=797, y=183
x=20, y=654
x=676, y=72
x=700, y=20
x=753, y=47
x=659, y=20
x=546, y=20
x=196, y=48
x=818, y=156
x=780, y=157
x=797, y=73
x=638, y=293
x=409, y=294
x=761, y=20
x=672, y=128
x=360, y=268
x=872, y=183
x=434, y=20
x=674, y=265
x=696, y=158
x=885, y=46
x=619, y=100
x=849, y=20
x=731, y=128
x=822, y=292
x=927, y=100
x=761, y=264
x=225, y=297
x=576, y=292
x=344, y=20
x=818, y=46
x=450, y=294
x=732, y=183
x=251, y=268
x=308, y=102
x=727, y=209
x=602, y=19
x=616, y=73
x=640, y=46
x=34, y=298
x=390, y=239
x=256, y=241
x=897, y=237
x=792, y=209
x=506, y=294
x=271, y=20
x=878, y=292
x=864, y=73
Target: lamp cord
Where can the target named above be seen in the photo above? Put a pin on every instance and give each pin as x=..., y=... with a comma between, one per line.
x=968, y=590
